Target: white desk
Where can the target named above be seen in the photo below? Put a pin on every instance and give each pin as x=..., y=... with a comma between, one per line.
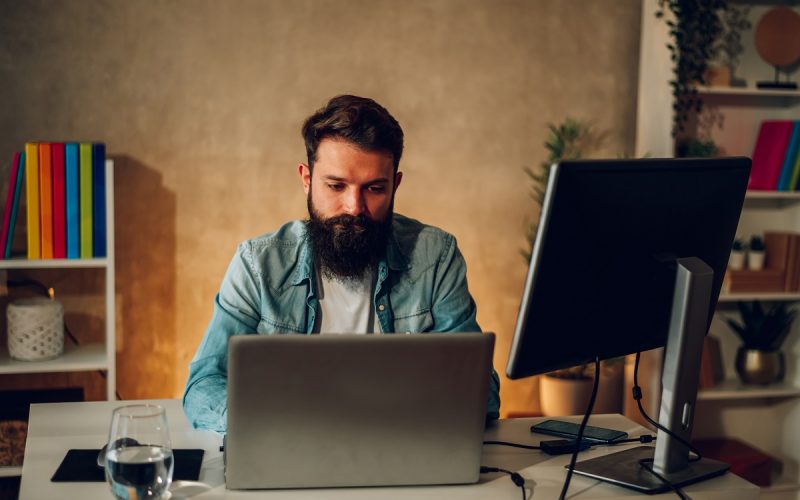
x=55, y=428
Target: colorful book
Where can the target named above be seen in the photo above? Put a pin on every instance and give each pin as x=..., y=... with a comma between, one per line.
x=769, y=153
x=790, y=159
x=59, y=206
x=46, y=200
x=99, y=199
x=85, y=176
x=32, y=193
x=15, y=205
x=72, y=195
x=12, y=185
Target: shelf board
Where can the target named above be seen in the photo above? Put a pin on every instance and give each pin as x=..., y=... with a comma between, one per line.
x=75, y=359
x=773, y=195
x=52, y=263
x=10, y=471
x=747, y=91
x=734, y=389
x=773, y=296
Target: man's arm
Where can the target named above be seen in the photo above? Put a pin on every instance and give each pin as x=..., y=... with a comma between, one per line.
x=236, y=311
x=454, y=309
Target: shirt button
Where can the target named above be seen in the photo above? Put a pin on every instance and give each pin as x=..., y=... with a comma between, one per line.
x=381, y=307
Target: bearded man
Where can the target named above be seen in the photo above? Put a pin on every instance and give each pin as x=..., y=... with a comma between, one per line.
x=354, y=266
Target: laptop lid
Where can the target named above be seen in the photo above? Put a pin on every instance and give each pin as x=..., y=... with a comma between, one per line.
x=356, y=410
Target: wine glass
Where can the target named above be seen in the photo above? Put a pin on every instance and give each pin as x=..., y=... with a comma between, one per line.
x=138, y=459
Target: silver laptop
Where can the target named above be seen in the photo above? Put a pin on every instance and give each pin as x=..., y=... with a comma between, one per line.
x=308, y=411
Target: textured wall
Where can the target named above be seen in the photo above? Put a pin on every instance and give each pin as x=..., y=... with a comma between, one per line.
x=200, y=104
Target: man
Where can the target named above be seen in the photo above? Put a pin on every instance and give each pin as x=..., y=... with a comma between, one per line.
x=353, y=266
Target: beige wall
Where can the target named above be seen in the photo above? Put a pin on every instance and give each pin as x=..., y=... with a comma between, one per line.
x=200, y=104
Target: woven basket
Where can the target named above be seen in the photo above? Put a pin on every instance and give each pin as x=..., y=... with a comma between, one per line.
x=35, y=329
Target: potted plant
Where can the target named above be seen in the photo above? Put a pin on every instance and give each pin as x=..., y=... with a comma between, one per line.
x=759, y=359
x=736, y=259
x=755, y=254
x=728, y=47
x=567, y=391
x=694, y=27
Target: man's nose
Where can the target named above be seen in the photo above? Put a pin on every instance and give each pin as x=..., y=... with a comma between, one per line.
x=354, y=202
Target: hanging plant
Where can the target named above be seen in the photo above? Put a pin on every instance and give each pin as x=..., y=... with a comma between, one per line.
x=693, y=28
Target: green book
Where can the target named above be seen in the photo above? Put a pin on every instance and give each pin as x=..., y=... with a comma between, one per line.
x=85, y=174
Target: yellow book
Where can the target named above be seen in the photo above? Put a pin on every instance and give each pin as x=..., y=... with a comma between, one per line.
x=32, y=193
x=85, y=175
x=46, y=200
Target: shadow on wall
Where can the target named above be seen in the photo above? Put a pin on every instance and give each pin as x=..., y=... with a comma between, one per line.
x=145, y=232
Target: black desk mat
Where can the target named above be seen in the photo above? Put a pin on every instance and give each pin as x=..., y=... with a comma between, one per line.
x=81, y=466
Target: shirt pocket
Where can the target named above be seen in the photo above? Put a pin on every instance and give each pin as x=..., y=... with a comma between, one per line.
x=418, y=322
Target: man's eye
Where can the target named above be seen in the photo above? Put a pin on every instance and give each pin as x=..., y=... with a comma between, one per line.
x=336, y=187
x=377, y=189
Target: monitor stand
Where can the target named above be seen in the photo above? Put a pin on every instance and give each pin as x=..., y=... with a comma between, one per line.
x=684, y=349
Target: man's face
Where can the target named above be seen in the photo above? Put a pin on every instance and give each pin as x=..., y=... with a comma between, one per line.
x=349, y=180
x=350, y=198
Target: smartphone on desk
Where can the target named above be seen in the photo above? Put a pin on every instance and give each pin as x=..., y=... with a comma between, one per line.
x=570, y=430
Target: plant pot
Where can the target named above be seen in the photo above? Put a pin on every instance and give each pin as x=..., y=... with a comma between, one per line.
x=755, y=260
x=561, y=396
x=760, y=367
x=736, y=260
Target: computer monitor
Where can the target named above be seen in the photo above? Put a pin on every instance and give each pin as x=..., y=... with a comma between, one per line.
x=629, y=253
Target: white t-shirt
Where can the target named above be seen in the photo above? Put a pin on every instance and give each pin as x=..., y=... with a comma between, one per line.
x=347, y=306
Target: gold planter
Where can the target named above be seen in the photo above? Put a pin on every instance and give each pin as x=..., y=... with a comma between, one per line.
x=759, y=367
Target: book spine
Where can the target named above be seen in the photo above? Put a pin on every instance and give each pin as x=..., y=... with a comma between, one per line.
x=787, y=169
x=72, y=195
x=32, y=193
x=85, y=166
x=46, y=200
x=59, y=206
x=15, y=204
x=12, y=184
x=99, y=199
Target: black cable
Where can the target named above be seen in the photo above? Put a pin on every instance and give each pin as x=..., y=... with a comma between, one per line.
x=637, y=395
x=515, y=477
x=513, y=445
x=585, y=420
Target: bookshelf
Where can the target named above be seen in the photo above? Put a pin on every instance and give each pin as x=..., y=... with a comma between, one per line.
x=766, y=417
x=85, y=357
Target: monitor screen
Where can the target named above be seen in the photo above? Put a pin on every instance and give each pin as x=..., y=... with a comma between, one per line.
x=602, y=272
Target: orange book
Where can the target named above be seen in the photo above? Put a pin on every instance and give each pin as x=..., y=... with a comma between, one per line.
x=46, y=199
x=32, y=201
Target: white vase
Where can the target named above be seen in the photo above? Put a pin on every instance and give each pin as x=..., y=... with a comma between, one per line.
x=736, y=260
x=755, y=260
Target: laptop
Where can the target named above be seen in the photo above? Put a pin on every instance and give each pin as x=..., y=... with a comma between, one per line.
x=315, y=411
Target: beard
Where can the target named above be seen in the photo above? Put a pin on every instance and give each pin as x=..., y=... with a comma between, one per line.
x=347, y=246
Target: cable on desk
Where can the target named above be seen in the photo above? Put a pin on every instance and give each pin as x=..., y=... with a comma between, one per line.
x=579, y=437
x=513, y=445
x=515, y=477
x=637, y=395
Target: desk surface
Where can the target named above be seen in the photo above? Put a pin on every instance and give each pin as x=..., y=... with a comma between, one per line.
x=55, y=428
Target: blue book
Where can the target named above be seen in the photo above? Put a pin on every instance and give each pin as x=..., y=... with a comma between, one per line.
x=19, y=182
x=73, y=199
x=785, y=181
x=98, y=200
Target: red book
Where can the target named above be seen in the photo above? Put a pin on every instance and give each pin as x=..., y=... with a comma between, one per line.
x=46, y=200
x=12, y=183
x=59, y=202
x=769, y=153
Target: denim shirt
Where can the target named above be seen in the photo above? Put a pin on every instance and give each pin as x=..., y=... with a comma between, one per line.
x=270, y=288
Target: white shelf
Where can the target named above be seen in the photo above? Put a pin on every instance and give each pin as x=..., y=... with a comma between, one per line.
x=773, y=195
x=734, y=389
x=52, y=263
x=75, y=359
x=782, y=484
x=11, y=471
x=747, y=91
x=764, y=296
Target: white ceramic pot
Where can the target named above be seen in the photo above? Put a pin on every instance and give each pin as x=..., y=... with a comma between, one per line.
x=736, y=260
x=755, y=260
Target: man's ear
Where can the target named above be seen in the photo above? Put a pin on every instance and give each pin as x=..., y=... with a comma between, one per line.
x=397, y=178
x=305, y=176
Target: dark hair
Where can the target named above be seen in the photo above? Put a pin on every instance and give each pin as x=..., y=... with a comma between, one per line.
x=359, y=120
